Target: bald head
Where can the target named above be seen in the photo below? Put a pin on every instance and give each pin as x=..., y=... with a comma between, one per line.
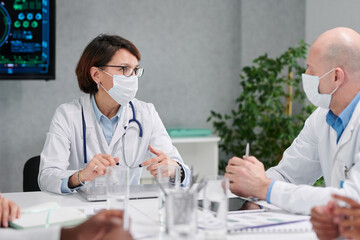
x=339, y=47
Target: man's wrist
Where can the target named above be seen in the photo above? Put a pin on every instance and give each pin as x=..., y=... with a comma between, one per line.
x=269, y=189
x=265, y=188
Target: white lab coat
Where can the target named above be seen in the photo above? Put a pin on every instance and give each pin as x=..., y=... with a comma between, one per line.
x=314, y=153
x=63, y=152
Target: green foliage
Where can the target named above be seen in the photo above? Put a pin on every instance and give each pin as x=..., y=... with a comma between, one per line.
x=262, y=116
x=320, y=182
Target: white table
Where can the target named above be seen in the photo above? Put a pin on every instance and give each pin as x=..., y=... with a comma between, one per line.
x=143, y=213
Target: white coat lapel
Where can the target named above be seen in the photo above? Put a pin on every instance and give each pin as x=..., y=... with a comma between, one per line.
x=88, y=115
x=120, y=128
x=92, y=125
x=347, y=134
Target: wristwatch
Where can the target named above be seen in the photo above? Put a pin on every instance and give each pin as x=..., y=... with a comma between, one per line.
x=182, y=174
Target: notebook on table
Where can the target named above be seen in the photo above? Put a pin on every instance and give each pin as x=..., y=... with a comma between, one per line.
x=98, y=193
x=48, y=214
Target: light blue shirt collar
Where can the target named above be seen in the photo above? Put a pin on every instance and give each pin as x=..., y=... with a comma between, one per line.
x=99, y=114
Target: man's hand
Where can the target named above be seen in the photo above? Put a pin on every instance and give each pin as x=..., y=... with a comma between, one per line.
x=348, y=218
x=8, y=211
x=247, y=177
x=106, y=224
x=322, y=219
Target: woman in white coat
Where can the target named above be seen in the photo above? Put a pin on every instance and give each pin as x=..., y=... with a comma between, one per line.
x=107, y=125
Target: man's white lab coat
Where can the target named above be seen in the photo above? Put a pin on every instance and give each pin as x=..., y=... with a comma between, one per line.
x=314, y=153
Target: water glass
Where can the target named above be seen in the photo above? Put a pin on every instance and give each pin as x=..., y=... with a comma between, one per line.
x=117, y=190
x=213, y=217
x=181, y=214
x=169, y=178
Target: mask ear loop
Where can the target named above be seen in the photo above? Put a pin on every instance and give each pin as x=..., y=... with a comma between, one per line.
x=327, y=73
x=99, y=82
x=334, y=91
x=325, y=76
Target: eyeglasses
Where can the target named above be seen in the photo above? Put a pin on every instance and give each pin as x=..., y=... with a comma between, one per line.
x=127, y=71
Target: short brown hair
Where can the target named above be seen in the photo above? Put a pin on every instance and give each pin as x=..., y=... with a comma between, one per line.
x=99, y=52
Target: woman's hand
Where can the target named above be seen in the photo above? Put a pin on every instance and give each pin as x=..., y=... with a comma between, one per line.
x=95, y=168
x=161, y=159
x=8, y=211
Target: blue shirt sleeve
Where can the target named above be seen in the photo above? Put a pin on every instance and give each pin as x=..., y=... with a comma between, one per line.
x=65, y=188
x=269, y=191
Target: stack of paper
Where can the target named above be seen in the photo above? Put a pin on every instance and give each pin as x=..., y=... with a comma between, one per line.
x=267, y=221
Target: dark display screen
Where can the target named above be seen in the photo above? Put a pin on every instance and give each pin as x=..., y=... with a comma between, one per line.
x=27, y=39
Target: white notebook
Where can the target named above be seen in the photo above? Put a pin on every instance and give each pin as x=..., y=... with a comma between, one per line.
x=48, y=214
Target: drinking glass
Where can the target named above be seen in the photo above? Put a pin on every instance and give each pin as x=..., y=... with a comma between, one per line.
x=117, y=190
x=213, y=217
x=181, y=213
x=169, y=178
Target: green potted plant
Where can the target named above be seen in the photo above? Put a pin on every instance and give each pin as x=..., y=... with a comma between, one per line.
x=264, y=115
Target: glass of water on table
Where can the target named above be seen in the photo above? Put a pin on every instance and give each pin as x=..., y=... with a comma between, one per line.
x=212, y=219
x=117, y=190
x=169, y=178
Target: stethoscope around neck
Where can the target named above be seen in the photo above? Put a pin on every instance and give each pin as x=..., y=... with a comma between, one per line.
x=133, y=119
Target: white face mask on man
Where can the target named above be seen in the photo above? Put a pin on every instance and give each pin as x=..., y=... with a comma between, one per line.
x=124, y=88
x=311, y=88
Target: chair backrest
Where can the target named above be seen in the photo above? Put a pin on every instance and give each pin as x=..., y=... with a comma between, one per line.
x=30, y=174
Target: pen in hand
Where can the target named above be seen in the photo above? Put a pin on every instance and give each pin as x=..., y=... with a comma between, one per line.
x=140, y=165
x=247, y=150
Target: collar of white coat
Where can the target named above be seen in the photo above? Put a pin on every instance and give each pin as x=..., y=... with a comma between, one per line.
x=346, y=135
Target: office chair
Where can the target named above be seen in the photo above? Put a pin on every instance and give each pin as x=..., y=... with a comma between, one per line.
x=30, y=174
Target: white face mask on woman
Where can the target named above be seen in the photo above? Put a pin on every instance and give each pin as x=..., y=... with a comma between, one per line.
x=311, y=88
x=124, y=88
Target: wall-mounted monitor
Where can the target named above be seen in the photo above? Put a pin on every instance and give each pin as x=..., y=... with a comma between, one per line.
x=27, y=39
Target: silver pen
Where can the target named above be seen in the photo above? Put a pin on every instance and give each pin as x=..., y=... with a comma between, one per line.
x=247, y=150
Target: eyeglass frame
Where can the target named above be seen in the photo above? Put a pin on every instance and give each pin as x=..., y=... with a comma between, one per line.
x=124, y=67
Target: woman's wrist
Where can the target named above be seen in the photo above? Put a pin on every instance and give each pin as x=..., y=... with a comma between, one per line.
x=77, y=179
x=80, y=178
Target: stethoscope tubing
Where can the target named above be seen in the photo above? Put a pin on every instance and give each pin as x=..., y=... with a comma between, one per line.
x=133, y=119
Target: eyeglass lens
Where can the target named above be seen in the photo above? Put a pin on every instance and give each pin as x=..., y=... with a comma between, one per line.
x=128, y=71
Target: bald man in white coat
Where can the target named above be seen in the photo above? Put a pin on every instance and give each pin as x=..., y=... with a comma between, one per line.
x=329, y=143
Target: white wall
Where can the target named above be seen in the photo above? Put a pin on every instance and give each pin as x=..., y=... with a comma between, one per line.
x=322, y=15
x=192, y=54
